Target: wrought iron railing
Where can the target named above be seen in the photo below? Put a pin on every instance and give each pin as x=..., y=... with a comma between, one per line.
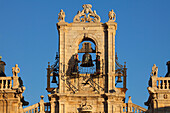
x=88, y=70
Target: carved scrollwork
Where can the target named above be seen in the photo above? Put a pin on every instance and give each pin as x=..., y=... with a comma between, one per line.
x=87, y=15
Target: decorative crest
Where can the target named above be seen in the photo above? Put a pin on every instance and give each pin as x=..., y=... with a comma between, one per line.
x=87, y=15
x=112, y=15
x=61, y=16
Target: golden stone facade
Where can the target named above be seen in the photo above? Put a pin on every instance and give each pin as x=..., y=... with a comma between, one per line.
x=84, y=86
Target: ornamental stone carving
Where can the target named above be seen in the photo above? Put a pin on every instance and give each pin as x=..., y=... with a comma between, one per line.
x=86, y=108
x=87, y=15
x=61, y=16
x=112, y=15
x=154, y=71
x=15, y=70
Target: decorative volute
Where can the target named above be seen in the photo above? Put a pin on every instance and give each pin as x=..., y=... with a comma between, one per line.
x=87, y=15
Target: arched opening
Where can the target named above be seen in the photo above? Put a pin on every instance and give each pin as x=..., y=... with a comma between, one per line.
x=86, y=57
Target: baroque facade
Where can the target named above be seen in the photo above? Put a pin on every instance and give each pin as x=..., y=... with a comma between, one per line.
x=87, y=72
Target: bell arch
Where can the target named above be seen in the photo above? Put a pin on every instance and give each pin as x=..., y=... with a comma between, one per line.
x=86, y=37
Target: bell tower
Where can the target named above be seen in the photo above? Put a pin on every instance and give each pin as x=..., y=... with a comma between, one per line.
x=86, y=67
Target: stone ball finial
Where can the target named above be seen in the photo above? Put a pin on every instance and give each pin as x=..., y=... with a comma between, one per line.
x=41, y=97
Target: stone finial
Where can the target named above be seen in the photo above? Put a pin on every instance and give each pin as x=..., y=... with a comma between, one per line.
x=154, y=70
x=112, y=15
x=42, y=104
x=15, y=70
x=61, y=16
x=86, y=15
x=41, y=97
x=0, y=58
x=130, y=99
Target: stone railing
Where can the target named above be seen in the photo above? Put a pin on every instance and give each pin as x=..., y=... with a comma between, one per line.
x=40, y=107
x=133, y=108
x=163, y=83
x=32, y=109
x=47, y=107
x=5, y=83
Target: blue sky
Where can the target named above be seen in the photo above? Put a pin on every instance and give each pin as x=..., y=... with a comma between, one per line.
x=28, y=37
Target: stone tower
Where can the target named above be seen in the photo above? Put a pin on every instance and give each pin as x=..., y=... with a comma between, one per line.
x=86, y=77
x=83, y=87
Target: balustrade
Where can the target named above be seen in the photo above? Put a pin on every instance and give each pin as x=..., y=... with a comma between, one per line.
x=47, y=107
x=32, y=109
x=40, y=107
x=163, y=83
x=132, y=108
x=5, y=83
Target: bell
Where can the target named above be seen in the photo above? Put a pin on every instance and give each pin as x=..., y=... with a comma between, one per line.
x=87, y=60
x=54, y=80
x=119, y=79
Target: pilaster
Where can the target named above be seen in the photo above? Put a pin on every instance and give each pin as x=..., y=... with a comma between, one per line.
x=112, y=27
